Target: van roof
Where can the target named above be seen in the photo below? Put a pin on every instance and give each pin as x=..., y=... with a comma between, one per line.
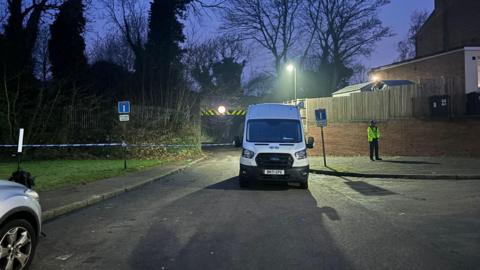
x=273, y=111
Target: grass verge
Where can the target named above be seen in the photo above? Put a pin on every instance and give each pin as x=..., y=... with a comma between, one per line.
x=54, y=174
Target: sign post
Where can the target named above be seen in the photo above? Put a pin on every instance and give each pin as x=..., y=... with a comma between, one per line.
x=321, y=117
x=20, y=147
x=124, y=117
x=323, y=148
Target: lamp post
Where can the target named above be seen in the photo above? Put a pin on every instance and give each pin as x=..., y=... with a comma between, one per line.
x=291, y=68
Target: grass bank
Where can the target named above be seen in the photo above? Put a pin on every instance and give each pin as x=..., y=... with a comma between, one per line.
x=53, y=174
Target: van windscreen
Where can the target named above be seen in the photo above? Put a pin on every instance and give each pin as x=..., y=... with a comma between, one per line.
x=274, y=131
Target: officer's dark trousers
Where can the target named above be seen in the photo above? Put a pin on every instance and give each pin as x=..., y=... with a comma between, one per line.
x=374, y=149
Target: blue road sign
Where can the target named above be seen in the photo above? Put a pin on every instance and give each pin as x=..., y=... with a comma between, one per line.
x=124, y=107
x=321, y=117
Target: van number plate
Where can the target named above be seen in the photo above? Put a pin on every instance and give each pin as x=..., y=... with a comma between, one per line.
x=274, y=172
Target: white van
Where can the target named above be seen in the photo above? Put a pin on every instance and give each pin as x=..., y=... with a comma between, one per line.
x=274, y=145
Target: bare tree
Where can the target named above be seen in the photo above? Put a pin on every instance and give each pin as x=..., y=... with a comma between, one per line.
x=210, y=3
x=114, y=49
x=200, y=6
x=130, y=19
x=21, y=31
x=270, y=23
x=3, y=12
x=314, y=23
x=21, y=34
x=205, y=59
x=407, y=48
x=360, y=74
x=345, y=30
x=40, y=55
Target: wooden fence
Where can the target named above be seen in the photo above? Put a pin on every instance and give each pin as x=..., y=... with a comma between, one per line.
x=401, y=102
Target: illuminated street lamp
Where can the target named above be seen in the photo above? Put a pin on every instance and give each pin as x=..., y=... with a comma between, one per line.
x=222, y=109
x=291, y=68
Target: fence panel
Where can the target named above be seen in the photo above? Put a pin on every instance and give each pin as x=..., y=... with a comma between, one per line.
x=400, y=102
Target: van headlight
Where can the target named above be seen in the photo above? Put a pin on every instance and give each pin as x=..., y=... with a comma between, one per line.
x=32, y=194
x=301, y=154
x=247, y=153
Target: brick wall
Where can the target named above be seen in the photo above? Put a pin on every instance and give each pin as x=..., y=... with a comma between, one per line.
x=453, y=24
x=403, y=138
x=430, y=38
x=449, y=66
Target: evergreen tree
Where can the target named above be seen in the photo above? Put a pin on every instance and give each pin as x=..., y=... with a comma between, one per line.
x=67, y=45
x=164, y=52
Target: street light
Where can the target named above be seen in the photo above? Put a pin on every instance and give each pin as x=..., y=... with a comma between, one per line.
x=291, y=68
x=222, y=109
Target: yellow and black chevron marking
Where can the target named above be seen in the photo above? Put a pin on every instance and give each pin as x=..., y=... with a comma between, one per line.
x=237, y=112
x=209, y=113
x=229, y=112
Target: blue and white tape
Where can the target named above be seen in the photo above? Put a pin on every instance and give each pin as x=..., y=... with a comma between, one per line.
x=114, y=145
x=63, y=145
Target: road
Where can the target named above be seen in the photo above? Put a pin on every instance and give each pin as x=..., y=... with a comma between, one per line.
x=201, y=219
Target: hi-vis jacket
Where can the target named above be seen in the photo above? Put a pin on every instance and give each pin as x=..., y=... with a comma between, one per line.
x=373, y=133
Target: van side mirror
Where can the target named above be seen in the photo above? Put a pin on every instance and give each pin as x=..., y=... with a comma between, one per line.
x=238, y=141
x=310, y=142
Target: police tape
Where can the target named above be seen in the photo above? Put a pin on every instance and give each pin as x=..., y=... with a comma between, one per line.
x=63, y=145
x=151, y=145
x=180, y=145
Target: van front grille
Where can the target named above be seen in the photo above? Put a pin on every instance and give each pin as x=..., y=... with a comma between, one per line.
x=274, y=160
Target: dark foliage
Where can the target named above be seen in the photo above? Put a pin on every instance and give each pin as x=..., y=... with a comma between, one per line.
x=70, y=100
x=228, y=75
x=110, y=81
x=217, y=66
x=67, y=45
x=163, y=48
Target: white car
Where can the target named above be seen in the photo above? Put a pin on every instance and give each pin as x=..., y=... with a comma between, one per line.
x=20, y=225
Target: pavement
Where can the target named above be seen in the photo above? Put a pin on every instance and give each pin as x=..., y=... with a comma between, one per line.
x=65, y=200
x=199, y=218
x=434, y=168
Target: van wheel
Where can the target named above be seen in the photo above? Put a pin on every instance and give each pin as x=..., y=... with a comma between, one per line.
x=304, y=185
x=243, y=181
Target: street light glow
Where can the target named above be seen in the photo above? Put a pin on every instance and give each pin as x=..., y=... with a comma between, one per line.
x=290, y=67
x=222, y=109
x=375, y=78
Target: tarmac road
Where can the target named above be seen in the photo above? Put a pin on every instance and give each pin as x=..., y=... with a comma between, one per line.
x=201, y=219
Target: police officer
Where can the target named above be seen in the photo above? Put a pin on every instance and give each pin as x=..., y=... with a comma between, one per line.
x=373, y=137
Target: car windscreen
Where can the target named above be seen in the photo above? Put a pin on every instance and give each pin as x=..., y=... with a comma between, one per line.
x=274, y=130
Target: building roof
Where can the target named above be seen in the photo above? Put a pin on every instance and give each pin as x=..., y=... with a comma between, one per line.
x=397, y=82
x=423, y=58
x=370, y=86
x=354, y=88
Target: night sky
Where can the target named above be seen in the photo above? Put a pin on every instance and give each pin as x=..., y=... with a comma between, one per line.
x=396, y=15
